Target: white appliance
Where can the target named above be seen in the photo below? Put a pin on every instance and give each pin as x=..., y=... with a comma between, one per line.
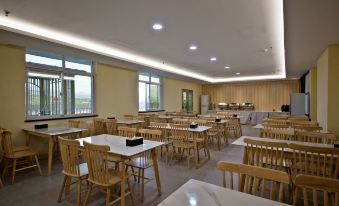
x=299, y=104
x=204, y=104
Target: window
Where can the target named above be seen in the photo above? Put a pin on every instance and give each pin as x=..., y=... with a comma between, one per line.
x=57, y=85
x=187, y=100
x=149, y=92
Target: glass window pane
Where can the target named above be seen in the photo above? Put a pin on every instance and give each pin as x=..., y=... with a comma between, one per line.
x=142, y=96
x=78, y=94
x=44, y=58
x=43, y=94
x=154, y=97
x=155, y=79
x=144, y=77
x=79, y=64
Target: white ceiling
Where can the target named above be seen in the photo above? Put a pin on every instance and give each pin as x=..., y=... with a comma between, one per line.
x=234, y=31
x=310, y=26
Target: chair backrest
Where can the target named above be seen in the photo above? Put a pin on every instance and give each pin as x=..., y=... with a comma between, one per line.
x=111, y=126
x=303, y=123
x=277, y=121
x=200, y=122
x=281, y=117
x=316, y=137
x=275, y=126
x=7, y=143
x=255, y=179
x=318, y=161
x=69, y=150
x=99, y=126
x=282, y=134
x=97, y=162
x=179, y=132
x=127, y=132
x=149, y=134
x=307, y=128
x=323, y=188
x=180, y=121
x=73, y=123
x=266, y=154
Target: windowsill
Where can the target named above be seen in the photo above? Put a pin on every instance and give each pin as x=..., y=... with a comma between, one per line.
x=150, y=111
x=60, y=118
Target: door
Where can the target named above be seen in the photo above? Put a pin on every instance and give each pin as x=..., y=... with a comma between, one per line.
x=187, y=100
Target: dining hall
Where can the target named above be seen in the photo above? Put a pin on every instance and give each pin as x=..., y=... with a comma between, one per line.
x=169, y=103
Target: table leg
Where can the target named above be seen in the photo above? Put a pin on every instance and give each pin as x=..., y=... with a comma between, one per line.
x=50, y=154
x=196, y=153
x=156, y=169
x=206, y=145
x=123, y=182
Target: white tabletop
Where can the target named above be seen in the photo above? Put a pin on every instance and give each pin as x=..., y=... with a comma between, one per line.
x=221, y=121
x=118, y=146
x=198, y=129
x=196, y=193
x=240, y=142
x=166, y=117
x=129, y=121
x=55, y=131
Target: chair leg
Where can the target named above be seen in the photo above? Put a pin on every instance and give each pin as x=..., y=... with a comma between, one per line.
x=37, y=164
x=135, y=177
x=5, y=169
x=62, y=189
x=139, y=173
x=108, y=196
x=142, y=184
x=13, y=170
x=89, y=190
x=130, y=190
x=79, y=192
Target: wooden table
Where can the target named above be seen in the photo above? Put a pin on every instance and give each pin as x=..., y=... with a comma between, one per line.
x=240, y=142
x=130, y=123
x=199, y=131
x=52, y=134
x=118, y=147
x=168, y=119
x=197, y=193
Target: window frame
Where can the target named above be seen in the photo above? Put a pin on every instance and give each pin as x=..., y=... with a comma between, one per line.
x=61, y=71
x=149, y=83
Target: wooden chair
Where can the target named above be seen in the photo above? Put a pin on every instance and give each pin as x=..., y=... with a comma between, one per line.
x=144, y=160
x=282, y=134
x=89, y=125
x=99, y=126
x=179, y=136
x=307, y=128
x=111, y=126
x=253, y=180
x=266, y=154
x=299, y=118
x=275, y=126
x=181, y=121
x=127, y=132
x=327, y=187
x=318, y=161
x=316, y=137
x=17, y=157
x=99, y=173
x=280, y=117
x=72, y=168
x=73, y=123
x=215, y=134
x=303, y=123
x=276, y=121
x=234, y=126
x=129, y=117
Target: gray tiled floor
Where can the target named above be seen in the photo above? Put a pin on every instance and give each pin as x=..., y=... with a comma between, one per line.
x=32, y=189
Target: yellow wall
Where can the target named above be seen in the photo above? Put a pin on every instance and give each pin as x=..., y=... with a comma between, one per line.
x=266, y=95
x=313, y=93
x=327, y=89
x=116, y=91
x=116, y=94
x=333, y=89
x=172, y=90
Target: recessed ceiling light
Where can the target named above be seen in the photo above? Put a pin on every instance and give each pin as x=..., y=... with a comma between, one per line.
x=157, y=26
x=237, y=73
x=227, y=67
x=193, y=47
x=212, y=59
